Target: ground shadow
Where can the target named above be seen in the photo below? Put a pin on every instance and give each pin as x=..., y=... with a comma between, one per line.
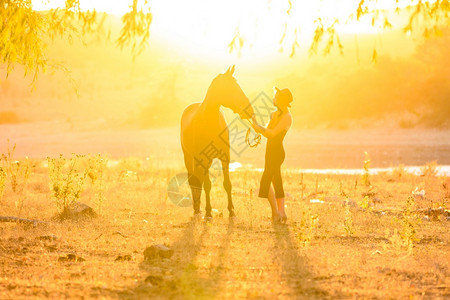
x=295, y=271
x=186, y=279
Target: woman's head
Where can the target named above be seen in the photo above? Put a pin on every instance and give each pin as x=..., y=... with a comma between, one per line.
x=283, y=98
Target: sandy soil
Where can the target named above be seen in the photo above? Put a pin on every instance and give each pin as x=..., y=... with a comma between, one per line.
x=337, y=243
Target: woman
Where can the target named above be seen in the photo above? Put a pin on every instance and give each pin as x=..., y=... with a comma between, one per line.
x=279, y=124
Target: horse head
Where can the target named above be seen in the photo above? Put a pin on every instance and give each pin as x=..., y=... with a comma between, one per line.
x=229, y=94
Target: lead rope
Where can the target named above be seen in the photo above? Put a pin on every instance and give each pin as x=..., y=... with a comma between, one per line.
x=256, y=139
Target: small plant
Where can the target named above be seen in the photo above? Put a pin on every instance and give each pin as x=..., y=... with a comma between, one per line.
x=348, y=220
x=307, y=227
x=18, y=171
x=2, y=182
x=365, y=177
x=302, y=185
x=248, y=203
x=430, y=169
x=95, y=171
x=348, y=217
x=406, y=237
x=399, y=171
x=66, y=183
x=409, y=223
x=364, y=203
x=445, y=196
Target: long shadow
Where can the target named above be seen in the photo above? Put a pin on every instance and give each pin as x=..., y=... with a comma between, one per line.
x=295, y=271
x=193, y=283
x=189, y=281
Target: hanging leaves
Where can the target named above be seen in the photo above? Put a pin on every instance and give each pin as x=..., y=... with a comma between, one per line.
x=136, y=29
x=25, y=33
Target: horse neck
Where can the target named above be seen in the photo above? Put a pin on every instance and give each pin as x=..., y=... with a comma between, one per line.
x=210, y=105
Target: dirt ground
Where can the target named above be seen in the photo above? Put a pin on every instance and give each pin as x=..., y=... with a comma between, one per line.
x=347, y=236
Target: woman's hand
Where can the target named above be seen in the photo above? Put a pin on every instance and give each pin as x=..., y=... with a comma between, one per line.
x=258, y=128
x=255, y=125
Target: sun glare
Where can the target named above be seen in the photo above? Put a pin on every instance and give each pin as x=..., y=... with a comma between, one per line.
x=213, y=28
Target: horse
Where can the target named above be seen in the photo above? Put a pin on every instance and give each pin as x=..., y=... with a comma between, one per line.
x=204, y=136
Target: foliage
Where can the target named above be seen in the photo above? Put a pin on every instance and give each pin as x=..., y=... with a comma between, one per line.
x=95, y=171
x=399, y=171
x=2, y=182
x=414, y=91
x=18, y=171
x=364, y=203
x=430, y=169
x=25, y=32
x=21, y=36
x=307, y=227
x=366, y=165
x=348, y=217
x=406, y=237
x=249, y=206
x=66, y=180
x=136, y=25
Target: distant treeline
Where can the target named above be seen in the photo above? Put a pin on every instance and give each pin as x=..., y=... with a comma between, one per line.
x=414, y=90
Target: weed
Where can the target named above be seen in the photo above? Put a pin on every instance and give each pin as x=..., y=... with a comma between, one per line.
x=348, y=220
x=18, y=172
x=410, y=221
x=66, y=183
x=302, y=185
x=306, y=230
x=399, y=171
x=366, y=165
x=406, y=237
x=430, y=169
x=2, y=182
x=364, y=203
x=444, y=200
x=348, y=217
x=95, y=171
x=248, y=203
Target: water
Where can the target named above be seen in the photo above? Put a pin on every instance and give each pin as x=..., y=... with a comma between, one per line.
x=416, y=170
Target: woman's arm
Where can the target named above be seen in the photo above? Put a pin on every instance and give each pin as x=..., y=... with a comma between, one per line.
x=284, y=123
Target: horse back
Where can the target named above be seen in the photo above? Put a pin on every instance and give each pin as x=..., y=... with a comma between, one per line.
x=198, y=131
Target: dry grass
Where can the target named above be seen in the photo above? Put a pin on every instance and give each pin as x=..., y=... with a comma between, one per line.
x=312, y=257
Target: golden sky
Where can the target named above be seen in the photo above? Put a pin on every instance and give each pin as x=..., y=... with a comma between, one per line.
x=206, y=28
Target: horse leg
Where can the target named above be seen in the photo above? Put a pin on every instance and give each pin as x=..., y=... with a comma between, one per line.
x=196, y=188
x=207, y=187
x=227, y=186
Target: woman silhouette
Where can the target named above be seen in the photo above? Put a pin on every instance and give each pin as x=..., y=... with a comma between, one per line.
x=279, y=124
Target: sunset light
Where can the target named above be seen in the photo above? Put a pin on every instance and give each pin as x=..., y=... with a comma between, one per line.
x=224, y=149
x=208, y=27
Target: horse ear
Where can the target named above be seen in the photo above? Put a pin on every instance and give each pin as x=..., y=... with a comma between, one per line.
x=232, y=70
x=227, y=71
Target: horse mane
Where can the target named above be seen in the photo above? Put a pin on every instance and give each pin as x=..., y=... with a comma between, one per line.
x=212, y=85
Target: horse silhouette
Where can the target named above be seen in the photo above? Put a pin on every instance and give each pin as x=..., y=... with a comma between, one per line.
x=205, y=136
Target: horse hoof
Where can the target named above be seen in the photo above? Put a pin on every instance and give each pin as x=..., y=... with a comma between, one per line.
x=232, y=214
x=208, y=219
x=197, y=216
